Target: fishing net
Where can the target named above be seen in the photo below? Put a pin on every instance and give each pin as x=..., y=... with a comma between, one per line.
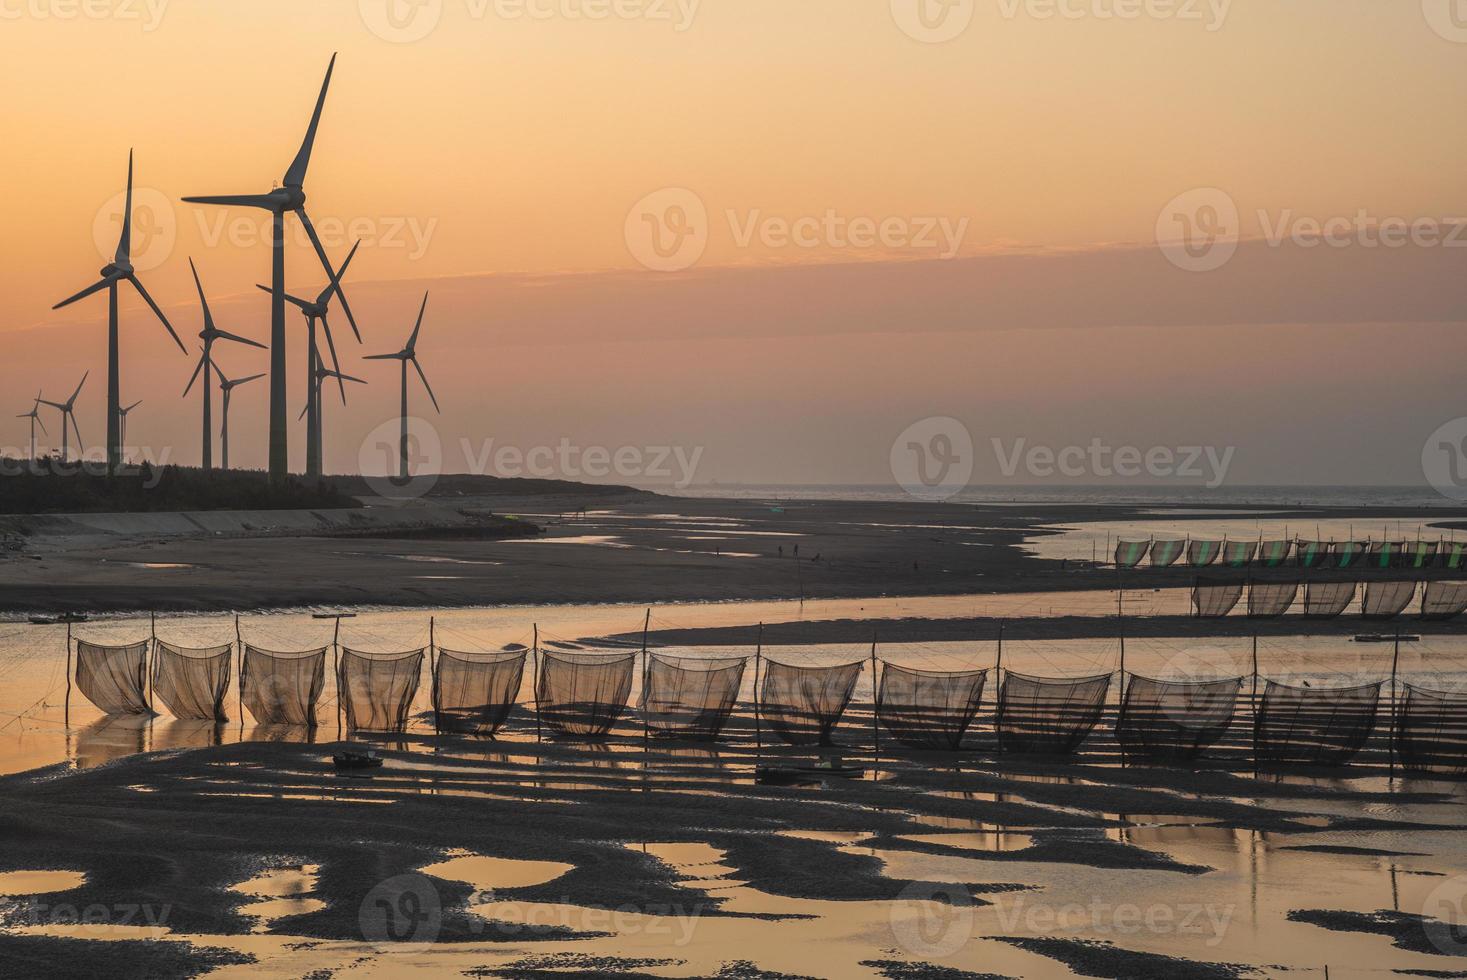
x=1386, y=600
x=473, y=693
x=1311, y=554
x=1385, y=554
x=1239, y=553
x=1272, y=554
x=282, y=688
x=1444, y=600
x=1044, y=715
x=691, y=697
x=377, y=689
x=192, y=683
x=1200, y=553
x=583, y=694
x=1348, y=554
x=1271, y=598
x=1166, y=553
x=1129, y=554
x=1315, y=725
x=1328, y=599
x=1452, y=555
x=1215, y=599
x=1176, y=720
x=1431, y=731
x=115, y=679
x=1420, y=554
x=804, y=704
x=928, y=709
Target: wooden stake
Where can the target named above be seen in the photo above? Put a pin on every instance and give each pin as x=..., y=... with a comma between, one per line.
x=535, y=680
x=239, y=644
x=153, y=652
x=336, y=664
x=875, y=697
x=67, y=709
x=1395, y=663
x=433, y=671
x=998, y=679
x=758, y=656
x=646, y=721
x=1254, y=699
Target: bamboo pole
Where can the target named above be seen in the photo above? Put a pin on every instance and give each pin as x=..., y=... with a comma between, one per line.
x=998, y=679
x=535, y=680
x=149, y=668
x=67, y=710
x=646, y=721
x=336, y=664
x=875, y=697
x=239, y=645
x=758, y=657
x=433, y=671
x=1254, y=699
x=1395, y=721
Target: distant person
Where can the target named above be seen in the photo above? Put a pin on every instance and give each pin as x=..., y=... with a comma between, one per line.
x=781, y=551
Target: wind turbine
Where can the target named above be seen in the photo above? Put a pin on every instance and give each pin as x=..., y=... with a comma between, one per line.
x=68, y=413
x=318, y=380
x=291, y=198
x=35, y=416
x=118, y=270
x=209, y=334
x=317, y=311
x=124, y=419
x=408, y=354
x=227, y=387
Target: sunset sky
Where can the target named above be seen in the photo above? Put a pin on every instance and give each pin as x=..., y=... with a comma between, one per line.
x=1016, y=177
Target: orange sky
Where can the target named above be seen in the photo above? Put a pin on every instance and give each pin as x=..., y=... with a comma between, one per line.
x=497, y=159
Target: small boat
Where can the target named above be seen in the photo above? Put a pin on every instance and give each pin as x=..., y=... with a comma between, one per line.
x=357, y=760
x=1386, y=638
x=56, y=620
x=805, y=775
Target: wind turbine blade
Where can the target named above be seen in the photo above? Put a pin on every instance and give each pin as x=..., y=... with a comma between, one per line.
x=235, y=200
x=383, y=357
x=303, y=413
x=80, y=443
x=253, y=377
x=335, y=283
x=42, y=425
x=426, y=385
x=294, y=300
x=296, y=175
x=124, y=243
x=326, y=264
x=95, y=287
x=194, y=377
x=347, y=377
x=412, y=343
x=79, y=388
x=335, y=363
x=132, y=406
x=225, y=335
x=56, y=405
x=203, y=300
x=137, y=284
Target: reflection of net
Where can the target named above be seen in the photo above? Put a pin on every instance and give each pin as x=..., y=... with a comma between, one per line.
x=1420, y=554
x=282, y=688
x=473, y=693
x=928, y=709
x=1042, y=715
x=1176, y=719
x=1431, y=731
x=804, y=704
x=1347, y=554
x=192, y=683
x=1328, y=599
x=1130, y=553
x=1271, y=598
x=377, y=689
x=1385, y=554
x=1386, y=600
x=1313, y=725
x=691, y=697
x=1311, y=554
x=1238, y=553
x=1215, y=599
x=583, y=693
x=1201, y=553
x=1165, y=553
x=1444, y=600
x=115, y=679
x=1272, y=554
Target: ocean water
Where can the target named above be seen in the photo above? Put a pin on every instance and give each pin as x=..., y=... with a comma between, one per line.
x=1158, y=495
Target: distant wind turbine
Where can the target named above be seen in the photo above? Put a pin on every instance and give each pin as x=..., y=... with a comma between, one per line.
x=291, y=198
x=317, y=311
x=209, y=334
x=35, y=416
x=318, y=381
x=227, y=387
x=124, y=420
x=409, y=354
x=118, y=270
x=68, y=414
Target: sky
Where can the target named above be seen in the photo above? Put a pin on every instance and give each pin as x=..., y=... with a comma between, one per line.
x=766, y=238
